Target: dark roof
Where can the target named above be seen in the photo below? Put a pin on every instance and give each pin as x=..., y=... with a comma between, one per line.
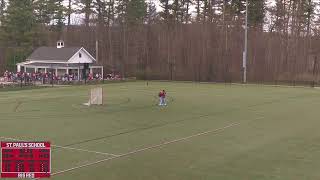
x=53, y=53
x=59, y=64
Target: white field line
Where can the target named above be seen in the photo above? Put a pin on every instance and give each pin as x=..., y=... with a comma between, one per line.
x=216, y=131
x=85, y=150
x=64, y=147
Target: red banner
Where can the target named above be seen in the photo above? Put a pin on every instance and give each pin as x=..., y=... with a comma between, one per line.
x=25, y=159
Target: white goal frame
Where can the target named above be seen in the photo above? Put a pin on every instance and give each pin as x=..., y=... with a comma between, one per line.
x=95, y=96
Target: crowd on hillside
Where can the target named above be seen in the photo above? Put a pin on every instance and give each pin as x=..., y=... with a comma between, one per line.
x=9, y=76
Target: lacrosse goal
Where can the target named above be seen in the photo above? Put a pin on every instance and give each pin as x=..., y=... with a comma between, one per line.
x=96, y=96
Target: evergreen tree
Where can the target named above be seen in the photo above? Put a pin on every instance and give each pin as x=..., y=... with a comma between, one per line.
x=198, y=10
x=166, y=13
x=152, y=14
x=59, y=15
x=104, y=12
x=187, y=15
x=50, y=12
x=234, y=10
x=43, y=11
x=256, y=13
x=278, y=13
x=86, y=8
x=110, y=12
x=17, y=31
x=136, y=11
x=131, y=11
x=2, y=6
x=121, y=11
x=178, y=10
x=238, y=8
x=18, y=24
x=101, y=11
x=307, y=14
x=207, y=11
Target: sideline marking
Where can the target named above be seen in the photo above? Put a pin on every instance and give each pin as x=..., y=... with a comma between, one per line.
x=216, y=131
x=63, y=147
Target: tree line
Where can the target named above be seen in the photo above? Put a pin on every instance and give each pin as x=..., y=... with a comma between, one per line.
x=200, y=40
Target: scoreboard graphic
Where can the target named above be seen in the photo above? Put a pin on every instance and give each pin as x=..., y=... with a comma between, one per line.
x=25, y=159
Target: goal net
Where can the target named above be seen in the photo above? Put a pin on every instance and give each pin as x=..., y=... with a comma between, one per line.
x=96, y=96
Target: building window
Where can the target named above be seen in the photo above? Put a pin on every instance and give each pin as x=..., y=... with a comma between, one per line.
x=80, y=55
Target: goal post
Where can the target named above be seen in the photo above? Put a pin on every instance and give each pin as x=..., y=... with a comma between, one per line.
x=96, y=96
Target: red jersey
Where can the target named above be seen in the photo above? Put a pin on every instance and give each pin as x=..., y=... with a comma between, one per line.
x=162, y=94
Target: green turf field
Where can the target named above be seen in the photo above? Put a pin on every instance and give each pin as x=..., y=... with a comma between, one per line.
x=207, y=131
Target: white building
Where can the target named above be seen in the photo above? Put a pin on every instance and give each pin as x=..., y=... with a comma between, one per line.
x=61, y=60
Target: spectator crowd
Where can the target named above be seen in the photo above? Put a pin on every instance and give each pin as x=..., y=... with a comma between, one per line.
x=48, y=77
